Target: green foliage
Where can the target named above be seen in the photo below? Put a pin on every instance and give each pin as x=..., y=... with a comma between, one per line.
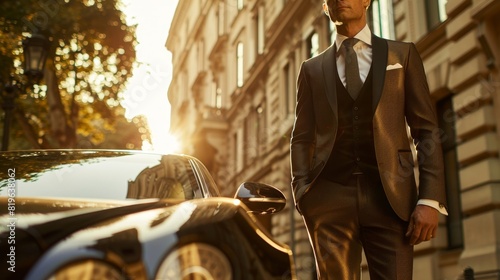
x=92, y=54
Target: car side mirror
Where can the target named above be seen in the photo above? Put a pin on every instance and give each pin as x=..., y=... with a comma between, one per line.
x=261, y=198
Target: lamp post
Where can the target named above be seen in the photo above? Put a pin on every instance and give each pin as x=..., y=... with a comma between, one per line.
x=8, y=96
x=35, y=50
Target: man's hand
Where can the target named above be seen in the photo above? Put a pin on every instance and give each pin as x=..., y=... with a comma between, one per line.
x=423, y=224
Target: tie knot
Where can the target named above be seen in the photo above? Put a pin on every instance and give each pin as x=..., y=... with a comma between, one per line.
x=349, y=42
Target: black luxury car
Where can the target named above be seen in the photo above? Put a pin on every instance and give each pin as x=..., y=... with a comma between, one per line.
x=84, y=214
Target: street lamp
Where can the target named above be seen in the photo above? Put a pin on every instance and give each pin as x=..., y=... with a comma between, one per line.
x=35, y=50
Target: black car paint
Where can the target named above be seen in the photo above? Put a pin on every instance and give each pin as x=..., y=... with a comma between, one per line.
x=53, y=241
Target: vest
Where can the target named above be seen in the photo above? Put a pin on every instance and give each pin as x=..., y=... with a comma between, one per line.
x=354, y=148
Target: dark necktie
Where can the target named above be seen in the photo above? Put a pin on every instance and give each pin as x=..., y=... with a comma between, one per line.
x=353, y=80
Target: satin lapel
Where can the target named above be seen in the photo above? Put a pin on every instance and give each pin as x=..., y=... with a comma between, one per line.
x=329, y=75
x=379, y=64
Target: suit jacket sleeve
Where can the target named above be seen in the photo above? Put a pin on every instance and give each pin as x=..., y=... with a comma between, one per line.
x=422, y=120
x=302, y=142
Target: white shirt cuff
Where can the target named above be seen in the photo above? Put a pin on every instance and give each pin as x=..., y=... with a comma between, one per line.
x=434, y=204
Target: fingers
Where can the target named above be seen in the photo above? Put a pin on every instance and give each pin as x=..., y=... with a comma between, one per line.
x=411, y=226
x=423, y=225
x=420, y=234
x=431, y=234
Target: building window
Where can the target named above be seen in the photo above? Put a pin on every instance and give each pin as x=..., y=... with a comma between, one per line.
x=235, y=152
x=436, y=12
x=283, y=4
x=446, y=120
x=220, y=19
x=216, y=99
x=239, y=64
x=251, y=136
x=332, y=31
x=313, y=45
x=201, y=53
x=261, y=136
x=381, y=18
x=239, y=150
x=239, y=4
x=288, y=88
x=260, y=30
x=442, y=10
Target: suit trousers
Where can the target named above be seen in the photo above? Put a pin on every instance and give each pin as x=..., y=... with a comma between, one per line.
x=342, y=220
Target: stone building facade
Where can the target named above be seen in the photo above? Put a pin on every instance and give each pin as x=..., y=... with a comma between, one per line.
x=233, y=95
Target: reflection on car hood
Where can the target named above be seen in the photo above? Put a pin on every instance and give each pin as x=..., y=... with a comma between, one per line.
x=35, y=211
x=103, y=174
x=53, y=231
x=50, y=220
x=143, y=235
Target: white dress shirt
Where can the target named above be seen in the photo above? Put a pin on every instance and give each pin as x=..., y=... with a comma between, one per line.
x=363, y=49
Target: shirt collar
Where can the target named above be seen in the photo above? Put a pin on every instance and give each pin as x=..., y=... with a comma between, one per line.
x=364, y=35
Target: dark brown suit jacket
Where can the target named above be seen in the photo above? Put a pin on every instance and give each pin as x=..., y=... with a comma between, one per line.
x=400, y=97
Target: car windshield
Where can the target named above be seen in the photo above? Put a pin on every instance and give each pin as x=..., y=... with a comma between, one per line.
x=98, y=175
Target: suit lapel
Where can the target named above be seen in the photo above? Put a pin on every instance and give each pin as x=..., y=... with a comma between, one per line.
x=329, y=64
x=379, y=64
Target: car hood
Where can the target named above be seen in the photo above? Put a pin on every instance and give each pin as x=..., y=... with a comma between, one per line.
x=50, y=220
x=39, y=224
x=149, y=226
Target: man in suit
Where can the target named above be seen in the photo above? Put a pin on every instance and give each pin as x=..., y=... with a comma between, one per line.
x=353, y=176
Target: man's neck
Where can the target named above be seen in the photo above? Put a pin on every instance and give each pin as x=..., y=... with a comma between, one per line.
x=350, y=30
